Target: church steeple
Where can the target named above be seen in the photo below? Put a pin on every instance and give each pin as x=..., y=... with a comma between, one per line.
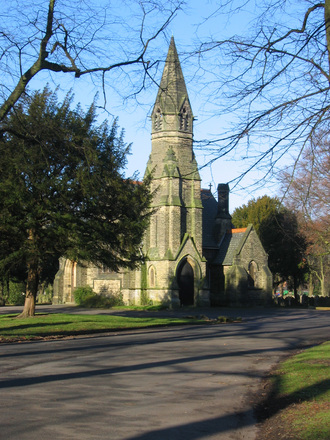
x=175, y=176
x=172, y=122
x=172, y=109
x=173, y=242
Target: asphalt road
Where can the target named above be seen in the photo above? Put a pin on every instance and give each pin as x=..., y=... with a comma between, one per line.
x=175, y=383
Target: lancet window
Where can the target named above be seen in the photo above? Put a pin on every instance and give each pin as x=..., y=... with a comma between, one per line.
x=158, y=120
x=152, y=277
x=184, y=119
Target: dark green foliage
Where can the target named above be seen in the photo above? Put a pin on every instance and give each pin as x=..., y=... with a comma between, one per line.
x=145, y=300
x=104, y=302
x=81, y=293
x=284, y=244
x=255, y=212
x=63, y=191
x=278, y=231
x=86, y=297
x=15, y=295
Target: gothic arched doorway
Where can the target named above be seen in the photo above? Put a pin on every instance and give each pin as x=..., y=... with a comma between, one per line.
x=186, y=283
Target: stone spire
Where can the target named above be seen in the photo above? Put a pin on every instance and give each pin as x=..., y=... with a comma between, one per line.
x=175, y=176
x=172, y=109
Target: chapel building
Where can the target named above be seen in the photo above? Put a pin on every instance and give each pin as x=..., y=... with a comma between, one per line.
x=193, y=256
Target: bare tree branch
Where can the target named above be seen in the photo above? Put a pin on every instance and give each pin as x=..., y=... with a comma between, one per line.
x=272, y=84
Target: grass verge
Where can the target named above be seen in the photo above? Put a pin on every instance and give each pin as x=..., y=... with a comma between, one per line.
x=59, y=325
x=298, y=405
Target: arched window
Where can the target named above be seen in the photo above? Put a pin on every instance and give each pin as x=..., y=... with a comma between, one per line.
x=252, y=278
x=152, y=277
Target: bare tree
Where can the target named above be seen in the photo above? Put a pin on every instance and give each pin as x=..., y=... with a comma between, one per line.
x=307, y=192
x=78, y=37
x=272, y=83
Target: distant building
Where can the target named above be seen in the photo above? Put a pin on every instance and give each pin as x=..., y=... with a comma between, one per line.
x=192, y=254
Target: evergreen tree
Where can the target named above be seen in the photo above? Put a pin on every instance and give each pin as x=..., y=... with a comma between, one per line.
x=255, y=212
x=278, y=231
x=63, y=192
x=286, y=247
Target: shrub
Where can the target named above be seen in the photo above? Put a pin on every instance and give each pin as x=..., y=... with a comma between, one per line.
x=222, y=319
x=86, y=297
x=45, y=294
x=144, y=299
x=82, y=293
x=16, y=295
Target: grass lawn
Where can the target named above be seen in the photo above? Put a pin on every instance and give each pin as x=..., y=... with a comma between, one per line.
x=299, y=403
x=55, y=325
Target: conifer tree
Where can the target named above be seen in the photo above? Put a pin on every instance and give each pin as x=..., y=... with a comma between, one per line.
x=255, y=211
x=278, y=230
x=63, y=191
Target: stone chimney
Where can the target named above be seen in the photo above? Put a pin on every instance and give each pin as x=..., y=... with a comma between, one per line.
x=223, y=219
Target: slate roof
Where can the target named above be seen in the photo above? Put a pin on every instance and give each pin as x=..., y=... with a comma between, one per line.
x=172, y=91
x=231, y=242
x=230, y=245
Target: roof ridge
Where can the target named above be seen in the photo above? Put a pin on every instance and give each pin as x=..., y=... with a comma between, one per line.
x=236, y=230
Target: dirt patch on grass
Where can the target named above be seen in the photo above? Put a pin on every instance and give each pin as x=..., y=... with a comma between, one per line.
x=276, y=427
x=270, y=414
x=297, y=418
x=281, y=418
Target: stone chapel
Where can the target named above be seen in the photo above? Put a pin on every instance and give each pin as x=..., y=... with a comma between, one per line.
x=193, y=256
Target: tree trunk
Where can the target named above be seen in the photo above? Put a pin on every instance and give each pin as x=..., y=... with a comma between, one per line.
x=31, y=290
x=322, y=278
x=29, y=307
x=310, y=285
